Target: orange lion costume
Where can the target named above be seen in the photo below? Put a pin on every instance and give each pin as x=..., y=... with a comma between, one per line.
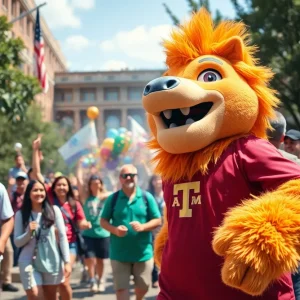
x=232, y=219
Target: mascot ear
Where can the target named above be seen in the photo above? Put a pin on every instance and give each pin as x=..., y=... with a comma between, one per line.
x=232, y=48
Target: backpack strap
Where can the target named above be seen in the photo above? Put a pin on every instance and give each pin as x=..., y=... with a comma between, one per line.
x=113, y=203
x=145, y=199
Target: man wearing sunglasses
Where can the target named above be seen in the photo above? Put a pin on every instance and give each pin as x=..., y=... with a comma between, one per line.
x=133, y=214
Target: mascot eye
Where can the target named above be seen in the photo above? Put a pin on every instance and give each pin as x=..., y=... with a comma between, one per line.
x=209, y=75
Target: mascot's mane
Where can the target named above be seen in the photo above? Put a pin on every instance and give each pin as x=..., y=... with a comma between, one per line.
x=200, y=37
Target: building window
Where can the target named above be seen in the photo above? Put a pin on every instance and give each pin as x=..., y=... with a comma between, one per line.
x=87, y=78
x=83, y=118
x=135, y=93
x=135, y=77
x=65, y=119
x=112, y=119
x=5, y=5
x=111, y=94
x=63, y=96
x=23, y=20
x=87, y=95
x=28, y=30
x=110, y=77
x=64, y=79
x=138, y=115
x=14, y=8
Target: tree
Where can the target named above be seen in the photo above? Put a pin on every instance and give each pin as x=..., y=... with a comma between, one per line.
x=25, y=132
x=194, y=7
x=275, y=27
x=17, y=90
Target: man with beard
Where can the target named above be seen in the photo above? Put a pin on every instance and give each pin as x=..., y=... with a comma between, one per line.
x=133, y=214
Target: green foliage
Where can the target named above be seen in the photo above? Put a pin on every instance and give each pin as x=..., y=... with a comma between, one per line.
x=25, y=132
x=194, y=6
x=275, y=27
x=17, y=90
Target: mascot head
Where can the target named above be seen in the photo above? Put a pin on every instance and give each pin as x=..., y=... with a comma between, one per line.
x=212, y=93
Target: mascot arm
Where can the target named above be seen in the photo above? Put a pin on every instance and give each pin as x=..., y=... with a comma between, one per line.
x=260, y=239
x=161, y=240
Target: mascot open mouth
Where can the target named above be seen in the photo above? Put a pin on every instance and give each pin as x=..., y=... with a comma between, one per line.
x=184, y=116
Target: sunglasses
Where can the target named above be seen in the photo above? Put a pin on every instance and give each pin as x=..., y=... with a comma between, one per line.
x=124, y=176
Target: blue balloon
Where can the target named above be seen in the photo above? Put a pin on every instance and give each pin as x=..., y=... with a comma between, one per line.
x=127, y=160
x=112, y=133
x=122, y=130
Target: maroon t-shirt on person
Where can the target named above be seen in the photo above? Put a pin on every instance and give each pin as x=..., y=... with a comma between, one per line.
x=190, y=269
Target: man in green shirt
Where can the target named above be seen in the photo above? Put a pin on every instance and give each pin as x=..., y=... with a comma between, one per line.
x=133, y=214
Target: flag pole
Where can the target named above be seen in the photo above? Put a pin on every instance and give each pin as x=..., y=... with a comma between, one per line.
x=26, y=13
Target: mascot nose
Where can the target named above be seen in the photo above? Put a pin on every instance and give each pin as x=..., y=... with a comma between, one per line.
x=161, y=84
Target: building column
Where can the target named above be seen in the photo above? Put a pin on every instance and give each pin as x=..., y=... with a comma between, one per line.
x=99, y=95
x=123, y=94
x=124, y=117
x=76, y=120
x=76, y=95
x=100, y=126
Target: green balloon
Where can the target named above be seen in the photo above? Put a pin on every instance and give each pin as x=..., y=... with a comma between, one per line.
x=119, y=145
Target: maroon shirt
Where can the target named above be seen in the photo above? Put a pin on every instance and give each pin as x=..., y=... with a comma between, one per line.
x=16, y=201
x=190, y=269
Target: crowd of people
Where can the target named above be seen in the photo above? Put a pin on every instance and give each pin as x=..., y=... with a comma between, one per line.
x=60, y=220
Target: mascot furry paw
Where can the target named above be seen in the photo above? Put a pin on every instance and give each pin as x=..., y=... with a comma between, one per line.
x=232, y=228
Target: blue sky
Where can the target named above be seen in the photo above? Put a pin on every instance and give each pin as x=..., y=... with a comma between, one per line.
x=114, y=34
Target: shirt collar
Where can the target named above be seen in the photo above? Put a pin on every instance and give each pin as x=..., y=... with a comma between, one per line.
x=138, y=193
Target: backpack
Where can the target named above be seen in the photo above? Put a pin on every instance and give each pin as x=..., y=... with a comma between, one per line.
x=115, y=198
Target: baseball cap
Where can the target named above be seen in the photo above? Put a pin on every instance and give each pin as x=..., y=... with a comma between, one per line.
x=293, y=134
x=22, y=175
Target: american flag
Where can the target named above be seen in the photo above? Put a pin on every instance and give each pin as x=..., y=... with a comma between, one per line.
x=39, y=51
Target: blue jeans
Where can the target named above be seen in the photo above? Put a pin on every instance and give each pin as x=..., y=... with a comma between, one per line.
x=296, y=283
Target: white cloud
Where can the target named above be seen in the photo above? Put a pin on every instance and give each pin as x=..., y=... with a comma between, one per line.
x=59, y=13
x=114, y=65
x=83, y=4
x=107, y=46
x=77, y=43
x=140, y=43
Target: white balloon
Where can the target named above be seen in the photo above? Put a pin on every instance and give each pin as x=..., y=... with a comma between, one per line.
x=18, y=146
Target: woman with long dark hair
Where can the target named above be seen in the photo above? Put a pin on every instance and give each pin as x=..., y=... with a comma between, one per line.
x=43, y=262
x=73, y=214
x=96, y=238
x=155, y=188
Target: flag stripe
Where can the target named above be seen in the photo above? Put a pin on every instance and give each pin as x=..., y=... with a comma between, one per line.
x=40, y=54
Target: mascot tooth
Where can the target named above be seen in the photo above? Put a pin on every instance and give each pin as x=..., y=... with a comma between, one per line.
x=232, y=219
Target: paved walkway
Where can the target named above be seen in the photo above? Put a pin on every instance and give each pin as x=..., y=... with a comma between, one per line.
x=80, y=291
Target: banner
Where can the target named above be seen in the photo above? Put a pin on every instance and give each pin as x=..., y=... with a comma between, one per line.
x=81, y=143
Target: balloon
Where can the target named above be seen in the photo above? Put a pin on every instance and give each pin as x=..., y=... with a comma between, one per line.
x=122, y=130
x=92, y=112
x=128, y=133
x=92, y=161
x=105, y=153
x=18, y=146
x=108, y=143
x=127, y=145
x=86, y=163
x=127, y=160
x=112, y=164
x=112, y=133
x=119, y=144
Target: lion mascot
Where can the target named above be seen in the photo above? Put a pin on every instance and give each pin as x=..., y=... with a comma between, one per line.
x=232, y=219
